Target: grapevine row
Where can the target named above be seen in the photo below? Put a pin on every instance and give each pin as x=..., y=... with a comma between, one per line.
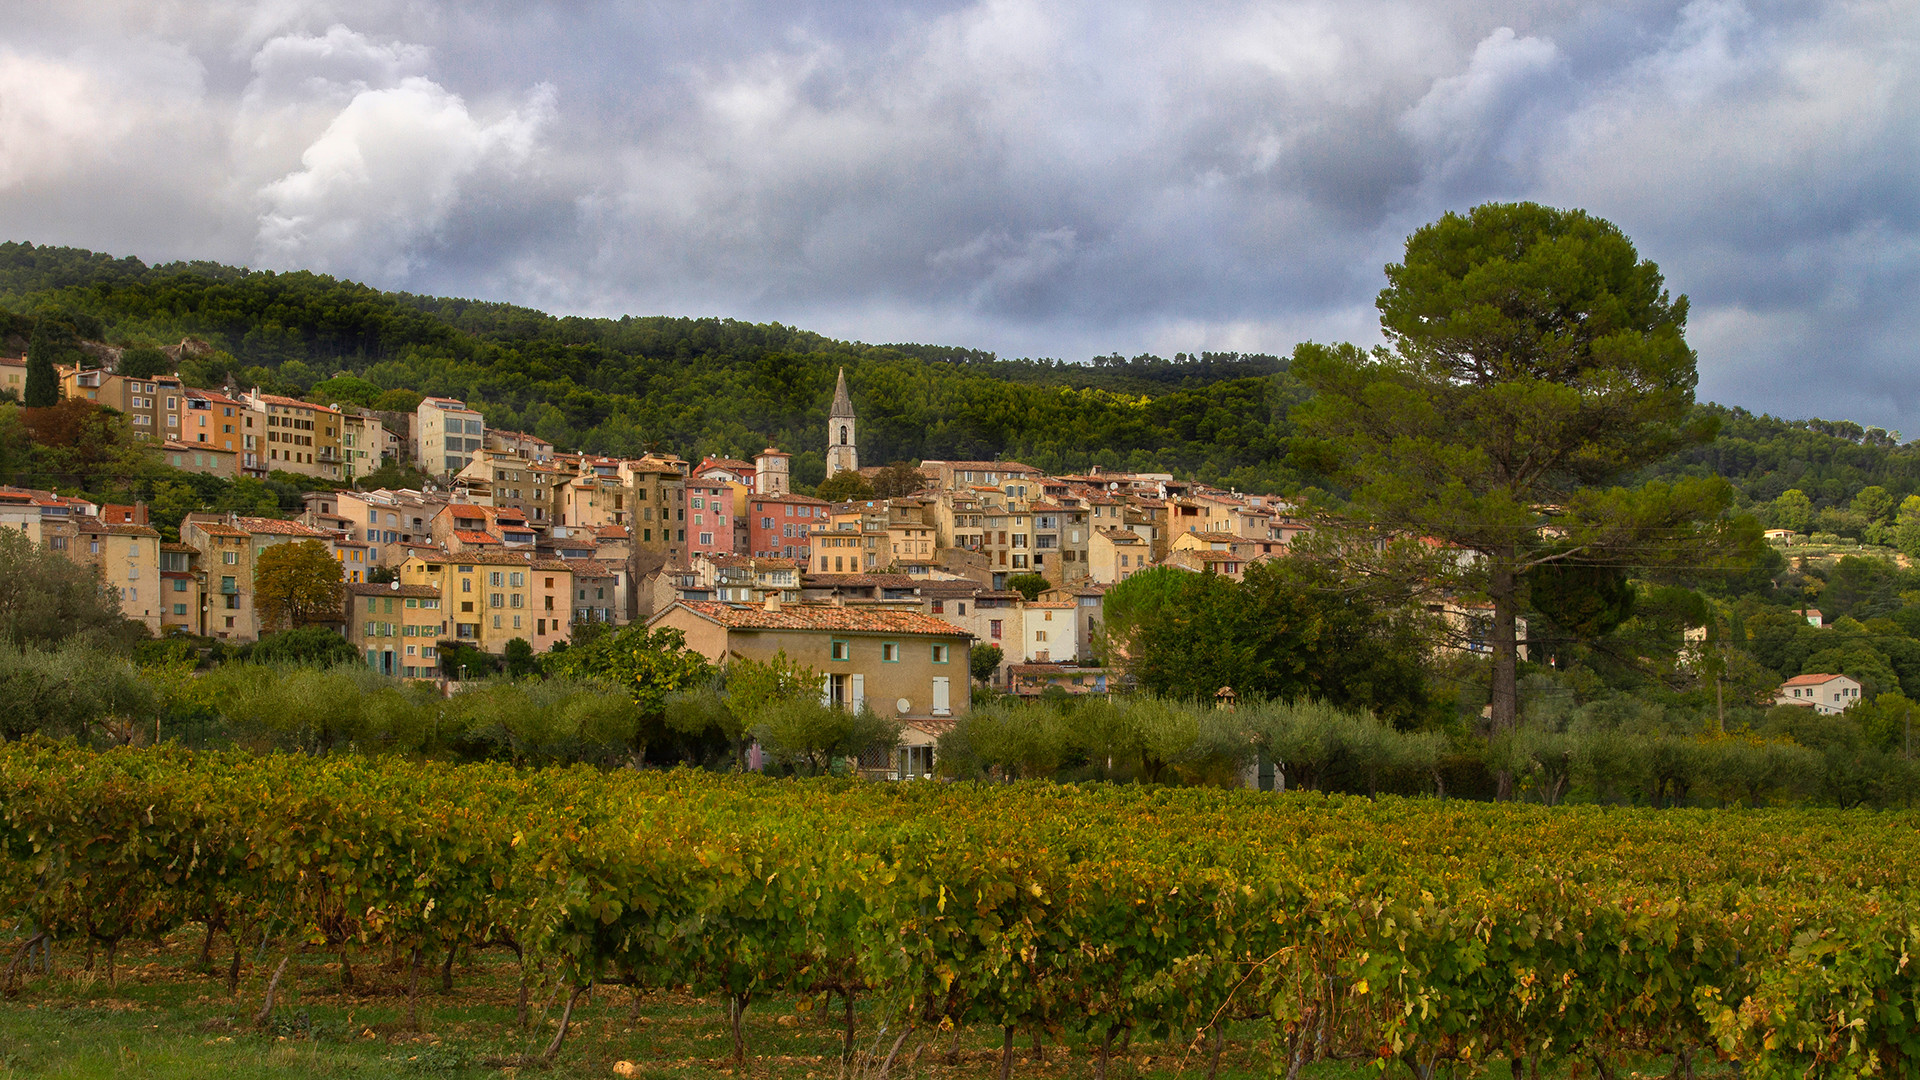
x=1419, y=933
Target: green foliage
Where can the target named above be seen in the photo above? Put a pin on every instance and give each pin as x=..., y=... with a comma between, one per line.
x=1029, y=585
x=144, y=362
x=983, y=661
x=1792, y=510
x=810, y=738
x=518, y=655
x=54, y=342
x=310, y=646
x=296, y=585
x=397, y=401
x=650, y=664
x=1421, y=934
x=844, y=486
x=74, y=691
x=898, y=480
x=699, y=386
x=394, y=475
x=350, y=389
x=463, y=661
x=1285, y=632
x=47, y=599
x=1535, y=360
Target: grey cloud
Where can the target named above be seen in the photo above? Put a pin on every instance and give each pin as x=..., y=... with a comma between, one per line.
x=1062, y=178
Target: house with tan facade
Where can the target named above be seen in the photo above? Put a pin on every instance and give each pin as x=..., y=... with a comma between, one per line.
x=397, y=627
x=902, y=665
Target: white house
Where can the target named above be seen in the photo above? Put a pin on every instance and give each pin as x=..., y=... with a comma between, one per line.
x=1823, y=694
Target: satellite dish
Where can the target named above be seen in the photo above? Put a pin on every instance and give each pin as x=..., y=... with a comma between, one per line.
x=903, y=705
x=394, y=585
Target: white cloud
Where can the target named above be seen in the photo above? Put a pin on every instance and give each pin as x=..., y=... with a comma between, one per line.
x=384, y=177
x=1061, y=177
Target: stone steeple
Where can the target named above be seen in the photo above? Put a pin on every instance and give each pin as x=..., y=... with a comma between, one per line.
x=841, y=441
x=842, y=404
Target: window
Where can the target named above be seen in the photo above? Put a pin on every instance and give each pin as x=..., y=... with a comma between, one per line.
x=939, y=608
x=373, y=605
x=496, y=579
x=840, y=650
x=890, y=652
x=993, y=629
x=940, y=653
x=497, y=600
x=519, y=579
x=516, y=622
x=179, y=609
x=1039, y=635
x=496, y=622
x=179, y=584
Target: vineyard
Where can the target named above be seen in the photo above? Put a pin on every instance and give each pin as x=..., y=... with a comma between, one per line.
x=1426, y=937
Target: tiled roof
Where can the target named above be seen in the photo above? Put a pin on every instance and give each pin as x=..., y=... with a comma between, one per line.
x=277, y=527
x=1122, y=536
x=1218, y=537
x=213, y=528
x=87, y=525
x=612, y=532
x=1050, y=605
x=993, y=466
x=361, y=589
x=868, y=581
x=1811, y=680
x=187, y=549
x=468, y=536
x=275, y=399
x=821, y=617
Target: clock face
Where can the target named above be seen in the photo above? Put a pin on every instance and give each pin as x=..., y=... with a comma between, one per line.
x=903, y=705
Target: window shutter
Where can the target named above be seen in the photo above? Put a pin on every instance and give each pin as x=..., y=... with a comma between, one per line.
x=942, y=701
x=859, y=692
x=826, y=690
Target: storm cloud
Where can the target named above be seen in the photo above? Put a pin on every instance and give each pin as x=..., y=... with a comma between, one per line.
x=1060, y=179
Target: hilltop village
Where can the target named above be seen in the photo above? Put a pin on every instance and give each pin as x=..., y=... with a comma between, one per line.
x=515, y=538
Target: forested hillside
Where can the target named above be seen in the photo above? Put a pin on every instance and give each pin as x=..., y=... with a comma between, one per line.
x=718, y=386
x=688, y=386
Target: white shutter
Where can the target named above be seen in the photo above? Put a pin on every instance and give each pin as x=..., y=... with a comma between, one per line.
x=826, y=690
x=942, y=703
x=859, y=692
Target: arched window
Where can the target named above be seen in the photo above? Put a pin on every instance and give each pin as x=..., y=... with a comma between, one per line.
x=843, y=434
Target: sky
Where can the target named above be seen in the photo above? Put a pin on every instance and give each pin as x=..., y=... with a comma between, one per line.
x=1064, y=178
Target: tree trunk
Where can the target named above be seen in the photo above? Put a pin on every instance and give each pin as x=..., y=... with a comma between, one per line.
x=266, y=1005
x=566, y=1017
x=737, y=1012
x=1504, y=693
x=413, y=993
x=446, y=972
x=1006, y=1054
x=233, y=969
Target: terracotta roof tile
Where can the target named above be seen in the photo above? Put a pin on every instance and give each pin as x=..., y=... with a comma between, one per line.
x=363, y=589
x=277, y=527
x=823, y=617
x=1812, y=680
x=468, y=536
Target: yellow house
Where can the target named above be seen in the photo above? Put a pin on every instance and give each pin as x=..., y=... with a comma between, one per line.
x=301, y=437
x=129, y=560
x=490, y=598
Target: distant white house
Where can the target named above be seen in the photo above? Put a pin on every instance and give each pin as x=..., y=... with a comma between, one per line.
x=1823, y=694
x=1812, y=615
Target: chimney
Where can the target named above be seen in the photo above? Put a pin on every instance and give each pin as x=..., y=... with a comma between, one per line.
x=773, y=601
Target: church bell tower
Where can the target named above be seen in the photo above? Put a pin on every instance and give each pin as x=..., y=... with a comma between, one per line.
x=841, y=441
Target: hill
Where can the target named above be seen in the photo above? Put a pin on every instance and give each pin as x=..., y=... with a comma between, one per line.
x=689, y=386
x=724, y=387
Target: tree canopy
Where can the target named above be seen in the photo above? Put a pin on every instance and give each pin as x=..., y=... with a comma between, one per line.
x=296, y=585
x=1534, y=362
